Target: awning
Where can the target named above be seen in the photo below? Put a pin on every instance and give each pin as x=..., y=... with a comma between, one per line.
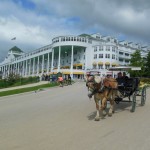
x=53, y=73
x=79, y=65
x=66, y=72
x=113, y=64
x=100, y=63
x=107, y=63
x=78, y=72
x=94, y=63
x=66, y=66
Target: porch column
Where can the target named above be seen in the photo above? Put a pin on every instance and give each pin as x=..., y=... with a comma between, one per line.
x=23, y=69
x=48, y=63
x=4, y=71
x=8, y=69
x=38, y=66
x=59, y=59
x=52, y=67
x=26, y=68
x=85, y=59
x=33, y=69
x=71, y=67
x=29, y=67
x=43, y=64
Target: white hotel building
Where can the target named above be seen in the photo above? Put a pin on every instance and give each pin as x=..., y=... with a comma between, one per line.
x=74, y=55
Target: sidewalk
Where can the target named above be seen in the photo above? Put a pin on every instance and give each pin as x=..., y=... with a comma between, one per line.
x=24, y=86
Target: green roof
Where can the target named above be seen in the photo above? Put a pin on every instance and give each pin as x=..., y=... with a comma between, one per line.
x=16, y=49
x=85, y=35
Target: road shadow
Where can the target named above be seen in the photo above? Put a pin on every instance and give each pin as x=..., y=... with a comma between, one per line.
x=118, y=108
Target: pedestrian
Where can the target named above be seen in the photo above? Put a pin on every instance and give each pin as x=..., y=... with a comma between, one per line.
x=69, y=79
x=60, y=80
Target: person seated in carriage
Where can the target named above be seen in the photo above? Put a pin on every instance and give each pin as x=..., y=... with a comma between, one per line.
x=120, y=79
x=125, y=76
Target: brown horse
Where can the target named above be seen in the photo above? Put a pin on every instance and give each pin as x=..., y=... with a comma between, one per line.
x=103, y=89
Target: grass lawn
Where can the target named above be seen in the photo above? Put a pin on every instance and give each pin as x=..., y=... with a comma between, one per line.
x=28, y=89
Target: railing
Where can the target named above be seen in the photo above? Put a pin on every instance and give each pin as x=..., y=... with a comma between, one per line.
x=70, y=38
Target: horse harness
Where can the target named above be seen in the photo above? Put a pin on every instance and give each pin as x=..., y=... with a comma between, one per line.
x=101, y=85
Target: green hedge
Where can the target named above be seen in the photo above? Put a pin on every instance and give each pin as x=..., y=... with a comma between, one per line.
x=16, y=81
x=27, y=89
x=145, y=80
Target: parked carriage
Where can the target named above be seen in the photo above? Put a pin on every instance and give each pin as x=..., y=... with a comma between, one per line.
x=129, y=88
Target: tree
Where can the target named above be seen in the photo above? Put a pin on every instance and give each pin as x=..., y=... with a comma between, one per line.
x=137, y=61
x=147, y=65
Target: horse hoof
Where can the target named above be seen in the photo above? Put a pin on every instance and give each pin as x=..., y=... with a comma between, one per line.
x=104, y=114
x=97, y=119
x=110, y=114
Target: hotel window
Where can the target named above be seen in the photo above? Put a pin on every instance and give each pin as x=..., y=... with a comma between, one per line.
x=100, y=48
x=71, y=38
x=95, y=49
x=120, y=53
x=107, y=66
x=100, y=66
x=100, y=55
x=113, y=56
x=107, y=55
x=107, y=48
x=113, y=49
x=126, y=61
x=95, y=56
x=126, y=54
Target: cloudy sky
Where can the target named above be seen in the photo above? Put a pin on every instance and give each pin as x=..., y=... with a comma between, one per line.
x=35, y=22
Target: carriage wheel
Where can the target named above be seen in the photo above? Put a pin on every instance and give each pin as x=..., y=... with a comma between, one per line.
x=143, y=96
x=133, y=102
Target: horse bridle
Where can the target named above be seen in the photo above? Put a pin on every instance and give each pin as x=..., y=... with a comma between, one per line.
x=92, y=90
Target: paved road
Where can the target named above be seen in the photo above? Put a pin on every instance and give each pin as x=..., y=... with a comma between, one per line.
x=63, y=119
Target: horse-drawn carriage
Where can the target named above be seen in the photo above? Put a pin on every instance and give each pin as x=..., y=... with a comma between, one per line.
x=113, y=90
x=129, y=88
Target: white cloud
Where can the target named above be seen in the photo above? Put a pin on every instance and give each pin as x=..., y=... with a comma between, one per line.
x=36, y=27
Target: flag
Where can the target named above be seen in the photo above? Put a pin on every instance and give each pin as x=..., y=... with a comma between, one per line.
x=13, y=38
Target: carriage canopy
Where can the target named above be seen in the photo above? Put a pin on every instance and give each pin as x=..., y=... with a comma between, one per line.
x=124, y=68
